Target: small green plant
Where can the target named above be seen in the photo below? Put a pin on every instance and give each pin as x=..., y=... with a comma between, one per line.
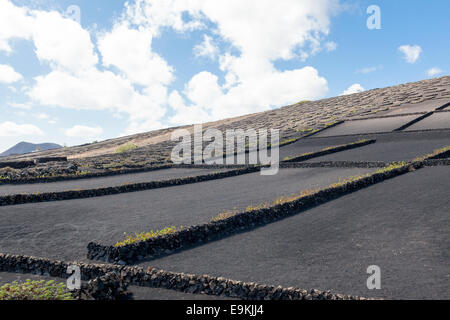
x=125, y=148
x=137, y=237
x=35, y=290
x=392, y=166
x=304, y=193
x=435, y=153
x=302, y=155
x=224, y=215
x=305, y=130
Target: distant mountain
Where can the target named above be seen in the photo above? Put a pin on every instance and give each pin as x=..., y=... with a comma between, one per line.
x=26, y=147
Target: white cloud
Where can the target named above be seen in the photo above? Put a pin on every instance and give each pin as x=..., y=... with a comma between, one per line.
x=262, y=33
x=157, y=14
x=75, y=81
x=434, y=71
x=80, y=131
x=354, y=88
x=62, y=42
x=96, y=90
x=368, y=70
x=134, y=80
x=8, y=74
x=210, y=102
x=12, y=129
x=203, y=89
x=331, y=46
x=207, y=48
x=23, y=106
x=42, y=116
x=14, y=23
x=411, y=53
x=130, y=51
x=59, y=41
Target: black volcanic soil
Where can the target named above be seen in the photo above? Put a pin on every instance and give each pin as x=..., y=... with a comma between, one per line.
x=401, y=225
x=109, y=181
x=62, y=229
x=398, y=146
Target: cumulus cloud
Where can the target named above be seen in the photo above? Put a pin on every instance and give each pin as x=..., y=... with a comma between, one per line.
x=12, y=129
x=130, y=50
x=62, y=42
x=80, y=131
x=95, y=90
x=354, y=88
x=14, y=24
x=121, y=73
x=434, y=71
x=331, y=46
x=410, y=53
x=8, y=74
x=75, y=80
x=207, y=48
x=261, y=33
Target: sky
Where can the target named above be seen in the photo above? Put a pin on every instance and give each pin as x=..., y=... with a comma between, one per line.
x=78, y=71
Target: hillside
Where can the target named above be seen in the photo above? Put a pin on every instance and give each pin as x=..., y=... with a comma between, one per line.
x=154, y=147
x=366, y=195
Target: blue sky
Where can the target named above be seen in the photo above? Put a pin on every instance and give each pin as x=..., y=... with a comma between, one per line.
x=122, y=69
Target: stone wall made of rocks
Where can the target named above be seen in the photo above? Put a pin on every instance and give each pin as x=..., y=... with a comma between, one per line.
x=109, y=281
x=16, y=164
x=334, y=164
x=15, y=199
x=234, y=171
x=437, y=162
x=194, y=235
x=84, y=176
x=50, y=159
x=353, y=145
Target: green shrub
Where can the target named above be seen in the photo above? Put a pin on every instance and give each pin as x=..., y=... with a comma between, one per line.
x=126, y=147
x=35, y=290
x=129, y=239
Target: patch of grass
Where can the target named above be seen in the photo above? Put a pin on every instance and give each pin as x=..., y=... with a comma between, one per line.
x=302, y=155
x=304, y=130
x=35, y=290
x=435, y=153
x=392, y=166
x=296, y=196
x=329, y=124
x=254, y=208
x=125, y=148
x=224, y=215
x=137, y=237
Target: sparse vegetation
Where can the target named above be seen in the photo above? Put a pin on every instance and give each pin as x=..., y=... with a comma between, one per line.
x=225, y=214
x=129, y=239
x=296, y=196
x=435, y=153
x=35, y=290
x=126, y=147
x=304, y=130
